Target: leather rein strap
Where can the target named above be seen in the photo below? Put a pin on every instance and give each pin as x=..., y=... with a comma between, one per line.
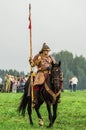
x=51, y=92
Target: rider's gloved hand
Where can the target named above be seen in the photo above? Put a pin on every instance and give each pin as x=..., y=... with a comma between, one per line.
x=31, y=62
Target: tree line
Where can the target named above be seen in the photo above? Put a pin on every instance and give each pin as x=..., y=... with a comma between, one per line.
x=71, y=66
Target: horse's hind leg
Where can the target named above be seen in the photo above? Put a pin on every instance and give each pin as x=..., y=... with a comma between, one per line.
x=29, y=110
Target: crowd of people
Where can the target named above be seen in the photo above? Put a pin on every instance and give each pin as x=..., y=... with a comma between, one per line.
x=16, y=84
x=12, y=83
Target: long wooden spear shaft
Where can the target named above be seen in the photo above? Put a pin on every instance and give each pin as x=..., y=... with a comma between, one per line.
x=31, y=70
x=30, y=27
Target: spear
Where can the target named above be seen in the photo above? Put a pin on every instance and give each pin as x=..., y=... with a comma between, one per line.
x=31, y=70
x=30, y=27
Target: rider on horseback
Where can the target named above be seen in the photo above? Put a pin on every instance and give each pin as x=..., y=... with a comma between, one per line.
x=43, y=61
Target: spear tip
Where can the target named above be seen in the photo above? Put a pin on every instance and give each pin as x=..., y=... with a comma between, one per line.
x=29, y=6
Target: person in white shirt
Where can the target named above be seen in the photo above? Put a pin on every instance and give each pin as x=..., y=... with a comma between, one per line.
x=74, y=82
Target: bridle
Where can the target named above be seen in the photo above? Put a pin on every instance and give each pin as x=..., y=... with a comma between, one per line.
x=55, y=74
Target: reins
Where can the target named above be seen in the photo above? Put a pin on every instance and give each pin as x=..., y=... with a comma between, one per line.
x=51, y=92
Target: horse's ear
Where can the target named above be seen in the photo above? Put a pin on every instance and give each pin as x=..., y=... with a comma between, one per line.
x=52, y=64
x=59, y=64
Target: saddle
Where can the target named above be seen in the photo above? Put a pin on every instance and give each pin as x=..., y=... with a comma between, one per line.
x=39, y=78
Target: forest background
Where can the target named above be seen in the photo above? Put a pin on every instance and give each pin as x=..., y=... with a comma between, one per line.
x=71, y=66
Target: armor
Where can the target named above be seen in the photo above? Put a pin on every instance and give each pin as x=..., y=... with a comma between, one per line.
x=43, y=63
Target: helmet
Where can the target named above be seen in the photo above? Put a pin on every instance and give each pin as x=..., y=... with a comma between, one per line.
x=45, y=47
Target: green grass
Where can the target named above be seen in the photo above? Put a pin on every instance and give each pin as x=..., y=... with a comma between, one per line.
x=71, y=113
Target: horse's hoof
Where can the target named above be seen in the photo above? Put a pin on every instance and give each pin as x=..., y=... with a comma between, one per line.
x=49, y=126
x=31, y=123
x=41, y=123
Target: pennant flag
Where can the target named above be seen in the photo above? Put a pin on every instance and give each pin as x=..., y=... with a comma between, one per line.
x=30, y=24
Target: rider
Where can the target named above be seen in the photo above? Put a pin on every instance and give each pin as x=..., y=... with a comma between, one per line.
x=43, y=61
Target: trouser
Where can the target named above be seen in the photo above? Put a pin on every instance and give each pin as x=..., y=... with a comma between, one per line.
x=74, y=87
x=71, y=88
x=7, y=88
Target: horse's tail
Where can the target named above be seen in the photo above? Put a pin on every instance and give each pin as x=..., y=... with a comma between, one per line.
x=24, y=99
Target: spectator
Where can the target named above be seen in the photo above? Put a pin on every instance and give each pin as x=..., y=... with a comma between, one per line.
x=8, y=83
x=14, y=85
x=71, y=84
x=21, y=84
x=1, y=84
x=74, y=82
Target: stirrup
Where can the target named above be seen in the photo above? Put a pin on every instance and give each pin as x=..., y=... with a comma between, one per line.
x=33, y=105
x=35, y=102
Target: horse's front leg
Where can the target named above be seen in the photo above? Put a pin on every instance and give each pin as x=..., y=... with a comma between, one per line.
x=49, y=114
x=54, y=111
x=40, y=120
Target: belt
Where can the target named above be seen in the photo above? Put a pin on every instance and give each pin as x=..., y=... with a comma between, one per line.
x=44, y=70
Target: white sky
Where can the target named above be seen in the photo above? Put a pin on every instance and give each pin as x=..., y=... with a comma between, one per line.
x=60, y=23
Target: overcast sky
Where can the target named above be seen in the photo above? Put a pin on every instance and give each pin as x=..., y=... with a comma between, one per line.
x=60, y=23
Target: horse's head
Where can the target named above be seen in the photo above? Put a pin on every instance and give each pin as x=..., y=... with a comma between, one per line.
x=56, y=75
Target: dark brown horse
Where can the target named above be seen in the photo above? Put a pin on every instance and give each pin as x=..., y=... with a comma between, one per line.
x=52, y=86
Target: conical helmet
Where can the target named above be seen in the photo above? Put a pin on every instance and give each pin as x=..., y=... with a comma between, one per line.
x=45, y=47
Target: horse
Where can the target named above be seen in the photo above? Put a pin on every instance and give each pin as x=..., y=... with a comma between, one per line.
x=51, y=88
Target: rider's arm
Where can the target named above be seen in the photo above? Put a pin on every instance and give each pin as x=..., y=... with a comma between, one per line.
x=35, y=61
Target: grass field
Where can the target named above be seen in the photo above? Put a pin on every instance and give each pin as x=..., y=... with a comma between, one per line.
x=71, y=113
